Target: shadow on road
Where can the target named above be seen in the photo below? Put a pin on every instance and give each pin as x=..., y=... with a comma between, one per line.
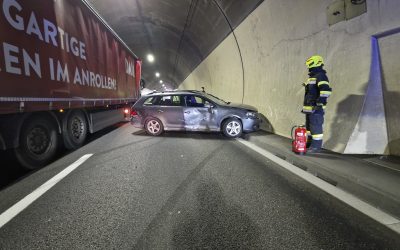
x=186, y=134
x=11, y=171
x=216, y=224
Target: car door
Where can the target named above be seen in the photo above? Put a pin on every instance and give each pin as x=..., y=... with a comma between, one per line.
x=169, y=110
x=199, y=114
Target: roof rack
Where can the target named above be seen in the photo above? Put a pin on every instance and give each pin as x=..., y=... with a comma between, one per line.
x=195, y=91
x=174, y=91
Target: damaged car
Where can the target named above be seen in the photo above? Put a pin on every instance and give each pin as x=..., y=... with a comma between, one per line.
x=189, y=110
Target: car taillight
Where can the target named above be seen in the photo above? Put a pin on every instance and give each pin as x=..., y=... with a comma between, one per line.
x=133, y=112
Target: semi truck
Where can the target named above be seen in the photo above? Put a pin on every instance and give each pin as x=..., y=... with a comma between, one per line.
x=64, y=73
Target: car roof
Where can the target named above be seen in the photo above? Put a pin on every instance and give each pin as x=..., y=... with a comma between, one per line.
x=175, y=92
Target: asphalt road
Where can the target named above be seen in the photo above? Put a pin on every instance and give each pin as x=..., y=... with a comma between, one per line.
x=176, y=191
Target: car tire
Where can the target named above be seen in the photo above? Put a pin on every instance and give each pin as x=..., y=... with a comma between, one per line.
x=154, y=126
x=232, y=128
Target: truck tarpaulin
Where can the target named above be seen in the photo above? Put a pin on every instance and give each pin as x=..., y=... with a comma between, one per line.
x=59, y=52
x=138, y=76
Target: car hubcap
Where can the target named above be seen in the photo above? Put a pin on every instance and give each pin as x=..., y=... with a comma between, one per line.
x=153, y=127
x=233, y=128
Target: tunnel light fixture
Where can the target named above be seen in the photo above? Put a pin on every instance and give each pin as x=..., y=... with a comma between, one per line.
x=157, y=74
x=150, y=58
x=161, y=81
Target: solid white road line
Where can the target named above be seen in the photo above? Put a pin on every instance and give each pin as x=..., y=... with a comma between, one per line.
x=30, y=198
x=363, y=207
x=381, y=165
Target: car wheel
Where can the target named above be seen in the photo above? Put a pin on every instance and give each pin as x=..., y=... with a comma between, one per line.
x=232, y=128
x=154, y=126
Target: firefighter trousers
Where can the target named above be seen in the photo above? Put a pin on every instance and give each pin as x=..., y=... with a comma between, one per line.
x=314, y=126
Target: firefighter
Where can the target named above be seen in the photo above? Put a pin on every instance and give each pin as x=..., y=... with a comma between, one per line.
x=317, y=91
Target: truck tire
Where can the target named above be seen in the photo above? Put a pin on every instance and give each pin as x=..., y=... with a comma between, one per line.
x=74, y=129
x=232, y=128
x=38, y=142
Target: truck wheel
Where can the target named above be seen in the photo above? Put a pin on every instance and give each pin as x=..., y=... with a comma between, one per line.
x=232, y=128
x=154, y=126
x=74, y=129
x=38, y=143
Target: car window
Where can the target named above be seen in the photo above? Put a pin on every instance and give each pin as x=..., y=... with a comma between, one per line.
x=150, y=101
x=217, y=100
x=177, y=100
x=168, y=100
x=195, y=101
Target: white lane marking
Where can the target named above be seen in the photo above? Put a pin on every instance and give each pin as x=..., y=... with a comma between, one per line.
x=30, y=198
x=381, y=165
x=363, y=207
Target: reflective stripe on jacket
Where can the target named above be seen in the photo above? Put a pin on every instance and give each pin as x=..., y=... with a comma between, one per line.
x=317, y=90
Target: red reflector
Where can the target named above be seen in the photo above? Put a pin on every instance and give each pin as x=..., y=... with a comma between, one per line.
x=133, y=112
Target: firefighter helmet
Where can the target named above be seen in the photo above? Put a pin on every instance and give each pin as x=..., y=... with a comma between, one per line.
x=315, y=61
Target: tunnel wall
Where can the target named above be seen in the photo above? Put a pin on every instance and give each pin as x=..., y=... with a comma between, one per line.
x=390, y=65
x=274, y=42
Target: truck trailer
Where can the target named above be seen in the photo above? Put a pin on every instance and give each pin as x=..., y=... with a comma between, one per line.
x=64, y=73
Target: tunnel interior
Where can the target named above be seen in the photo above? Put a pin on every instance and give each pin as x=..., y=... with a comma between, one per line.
x=254, y=51
x=179, y=33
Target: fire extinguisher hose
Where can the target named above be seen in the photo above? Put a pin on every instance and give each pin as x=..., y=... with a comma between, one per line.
x=291, y=133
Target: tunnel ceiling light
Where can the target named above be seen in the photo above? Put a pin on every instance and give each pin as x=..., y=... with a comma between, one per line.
x=157, y=74
x=150, y=58
x=161, y=81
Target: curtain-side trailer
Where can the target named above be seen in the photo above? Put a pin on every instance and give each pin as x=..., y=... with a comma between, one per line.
x=64, y=73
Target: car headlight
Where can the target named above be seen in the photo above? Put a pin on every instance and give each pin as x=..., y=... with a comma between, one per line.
x=251, y=114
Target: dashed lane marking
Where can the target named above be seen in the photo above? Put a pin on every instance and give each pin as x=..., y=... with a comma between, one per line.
x=18, y=207
x=363, y=207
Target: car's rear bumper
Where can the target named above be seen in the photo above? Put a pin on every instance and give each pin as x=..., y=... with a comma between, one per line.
x=136, y=121
x=251, y=125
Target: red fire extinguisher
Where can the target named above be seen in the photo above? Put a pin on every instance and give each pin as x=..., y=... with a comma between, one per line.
x=299, y=139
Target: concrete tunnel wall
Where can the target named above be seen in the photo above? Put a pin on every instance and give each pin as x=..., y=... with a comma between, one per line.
x=362, y=116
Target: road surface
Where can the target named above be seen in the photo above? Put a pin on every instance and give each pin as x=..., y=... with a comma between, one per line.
x=176, y=191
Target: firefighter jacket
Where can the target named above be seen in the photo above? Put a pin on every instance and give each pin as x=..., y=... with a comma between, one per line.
x=317, y=91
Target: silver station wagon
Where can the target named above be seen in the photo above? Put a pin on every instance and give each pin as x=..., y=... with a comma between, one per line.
x=190, y=110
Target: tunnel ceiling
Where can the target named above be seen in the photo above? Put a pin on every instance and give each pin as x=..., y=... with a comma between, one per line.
x=179, y=33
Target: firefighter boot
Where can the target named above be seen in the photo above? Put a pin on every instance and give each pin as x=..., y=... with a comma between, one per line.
x=313, y=150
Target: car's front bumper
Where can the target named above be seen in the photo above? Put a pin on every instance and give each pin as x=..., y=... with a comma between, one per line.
x=251, y=124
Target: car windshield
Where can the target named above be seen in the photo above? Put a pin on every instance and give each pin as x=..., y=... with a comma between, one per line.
x=216, y=99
